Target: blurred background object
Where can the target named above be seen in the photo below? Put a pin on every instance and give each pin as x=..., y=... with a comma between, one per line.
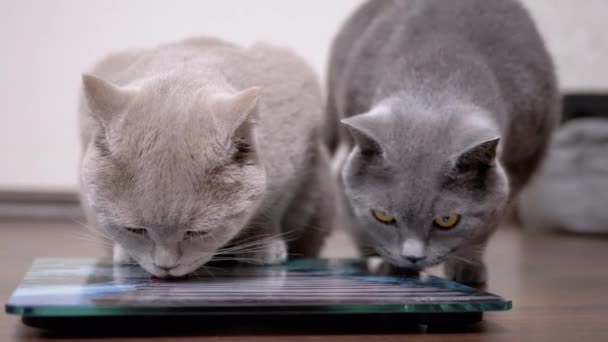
x=570, y=192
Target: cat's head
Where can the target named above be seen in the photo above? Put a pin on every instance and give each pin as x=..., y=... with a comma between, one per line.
x=172, y=172
x=423, y=185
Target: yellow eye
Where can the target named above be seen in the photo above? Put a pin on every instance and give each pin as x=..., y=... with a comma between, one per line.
x=383, y=217
x=447, y=222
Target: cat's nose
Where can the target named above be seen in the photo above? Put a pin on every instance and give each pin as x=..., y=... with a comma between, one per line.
x=413, y=258
x=165, y=257
x=412, y=250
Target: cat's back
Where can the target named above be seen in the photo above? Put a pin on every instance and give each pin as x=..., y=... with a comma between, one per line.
x=287, y=82
x=382, y=32
x=135, y=64
x=491, y=46
x=291, y=117
x=290, y=107
x=393, y=25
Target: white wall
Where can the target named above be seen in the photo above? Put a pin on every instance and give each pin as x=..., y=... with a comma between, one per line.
x=576, y=34
x=45, y=45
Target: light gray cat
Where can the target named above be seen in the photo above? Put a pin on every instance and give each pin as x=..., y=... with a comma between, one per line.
x=451, y=105
x=204, y=150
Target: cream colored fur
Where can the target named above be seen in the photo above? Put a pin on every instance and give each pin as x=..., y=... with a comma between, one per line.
x=202, y=150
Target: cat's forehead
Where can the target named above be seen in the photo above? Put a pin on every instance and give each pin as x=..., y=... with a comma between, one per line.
x=175, y=196
x=167, y=153
x=417, y=145
x=170, y=135
x=420, y=148
x=423, y=135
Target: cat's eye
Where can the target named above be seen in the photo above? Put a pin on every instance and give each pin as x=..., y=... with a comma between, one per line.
x=447, y=222
x=137, y=231
x=383, y=217
x=195, y=234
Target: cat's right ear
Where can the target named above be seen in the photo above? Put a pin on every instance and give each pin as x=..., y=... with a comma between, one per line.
x=361, y=129
x=104, y=99
x=477, y=159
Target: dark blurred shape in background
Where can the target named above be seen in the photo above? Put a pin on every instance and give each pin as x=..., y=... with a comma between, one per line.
x=570, y=192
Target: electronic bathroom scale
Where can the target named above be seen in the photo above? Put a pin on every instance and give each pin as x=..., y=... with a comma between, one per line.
x=58, y=291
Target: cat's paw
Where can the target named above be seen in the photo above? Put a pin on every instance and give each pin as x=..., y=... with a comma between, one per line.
x=473, y=274
x=120, y=256
x=273, y=253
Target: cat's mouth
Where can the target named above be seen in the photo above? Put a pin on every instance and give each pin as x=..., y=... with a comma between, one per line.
x=417, y=266
x=176, y=272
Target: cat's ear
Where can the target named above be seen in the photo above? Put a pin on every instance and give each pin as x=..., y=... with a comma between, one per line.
x=362, y=130
x=477, y=158
x=238, y=113
x=104, y=99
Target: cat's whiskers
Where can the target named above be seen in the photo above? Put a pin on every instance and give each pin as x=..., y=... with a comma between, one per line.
x=253, y=237
x=211, y=234
x=240, y=259
x=206, y=269
x=94, y=239
x=465, y=260
x=94, y=232
x=255, y=245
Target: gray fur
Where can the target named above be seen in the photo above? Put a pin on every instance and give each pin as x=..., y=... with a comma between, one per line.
x=202, y=135
x=450, y=105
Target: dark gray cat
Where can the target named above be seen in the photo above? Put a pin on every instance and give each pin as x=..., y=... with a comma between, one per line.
x=451, y=105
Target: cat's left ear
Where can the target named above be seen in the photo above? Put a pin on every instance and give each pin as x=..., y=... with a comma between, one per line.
x=478, y=158
x=237, y=114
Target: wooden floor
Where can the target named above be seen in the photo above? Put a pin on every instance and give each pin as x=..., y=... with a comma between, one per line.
x=558, y=284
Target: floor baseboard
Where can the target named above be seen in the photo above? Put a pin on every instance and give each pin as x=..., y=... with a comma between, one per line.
x=39, y=205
